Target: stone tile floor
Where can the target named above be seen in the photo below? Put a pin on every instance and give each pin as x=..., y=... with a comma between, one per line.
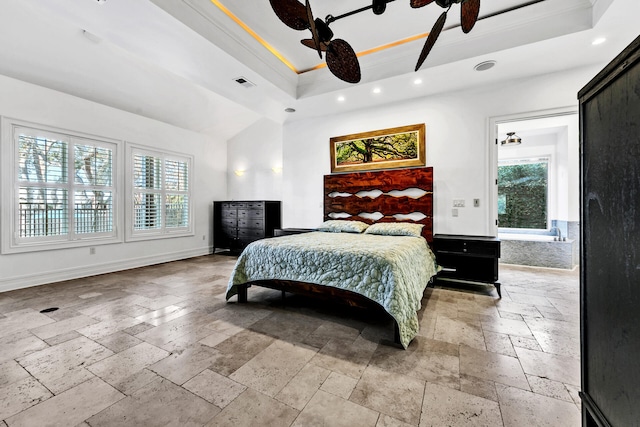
x=160, y=346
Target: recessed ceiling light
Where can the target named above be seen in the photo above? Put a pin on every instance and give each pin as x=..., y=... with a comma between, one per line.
x=290, y=110
x=484, y=66
x=341, y=98
x=377, y=90
x=417, y=82
x=598, y=41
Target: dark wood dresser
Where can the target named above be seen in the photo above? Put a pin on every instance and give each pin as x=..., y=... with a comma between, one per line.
x=469, y=258
x=610, y=239
x=238, y=223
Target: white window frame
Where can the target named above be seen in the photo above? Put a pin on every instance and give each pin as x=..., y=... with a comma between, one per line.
x=163, y=231
x=542, y=158
x=11, y=242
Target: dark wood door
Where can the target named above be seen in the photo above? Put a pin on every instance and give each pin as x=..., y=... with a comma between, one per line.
x=610, y=256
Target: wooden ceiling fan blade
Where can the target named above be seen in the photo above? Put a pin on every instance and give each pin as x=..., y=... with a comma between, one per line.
x=342, y=61
x=311, y=44
x=292, y=13
x=431, y=40
x=469, y=14
x=314, y=31
x=419, y=3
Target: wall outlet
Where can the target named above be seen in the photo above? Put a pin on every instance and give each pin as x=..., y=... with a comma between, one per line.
x=458, y=203
x=92, y=251
x=476, y=203
x=203, y=237
x=454, y=212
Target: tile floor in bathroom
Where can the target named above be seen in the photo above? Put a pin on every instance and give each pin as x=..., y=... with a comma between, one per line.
x=160, y=346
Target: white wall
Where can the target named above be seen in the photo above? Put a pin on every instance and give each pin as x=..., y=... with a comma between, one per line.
x=562, y=172
x=458, y=145
x=257, y=151
x=573, y=171
x=28, y=102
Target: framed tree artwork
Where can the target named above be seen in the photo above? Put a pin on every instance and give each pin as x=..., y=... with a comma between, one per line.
x=381, y=149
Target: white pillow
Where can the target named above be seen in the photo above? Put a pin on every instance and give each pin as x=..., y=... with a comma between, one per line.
x=343, y=226
x=395, y=229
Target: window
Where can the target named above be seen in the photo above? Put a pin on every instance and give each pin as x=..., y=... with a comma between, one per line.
x=63, y=189
x=523, y=193
x=160, y=204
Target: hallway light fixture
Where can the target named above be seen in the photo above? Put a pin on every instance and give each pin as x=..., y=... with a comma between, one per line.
x=512, y=139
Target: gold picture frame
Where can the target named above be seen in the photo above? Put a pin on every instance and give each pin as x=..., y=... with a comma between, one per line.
x=393, y=148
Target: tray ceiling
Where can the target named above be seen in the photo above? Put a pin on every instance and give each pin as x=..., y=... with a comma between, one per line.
x=176, y=60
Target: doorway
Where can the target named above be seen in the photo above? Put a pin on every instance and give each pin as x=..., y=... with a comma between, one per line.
x=536, y=193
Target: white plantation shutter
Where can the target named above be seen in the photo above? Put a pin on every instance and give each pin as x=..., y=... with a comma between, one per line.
x=63, y=189
x=161, y=202
x=176, y=197
x=147, y=184
x=42, y=202
x=93, y=189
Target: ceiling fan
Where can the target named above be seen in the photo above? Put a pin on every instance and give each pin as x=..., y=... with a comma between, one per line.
x=341, y=59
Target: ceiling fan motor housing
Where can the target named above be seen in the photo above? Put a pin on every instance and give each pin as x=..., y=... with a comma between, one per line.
x=324, y=32
x=446, y=3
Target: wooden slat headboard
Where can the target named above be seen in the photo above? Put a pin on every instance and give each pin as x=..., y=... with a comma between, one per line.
x=386, y=204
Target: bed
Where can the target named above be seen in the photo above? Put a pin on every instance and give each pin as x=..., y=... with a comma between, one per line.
x=388, y=264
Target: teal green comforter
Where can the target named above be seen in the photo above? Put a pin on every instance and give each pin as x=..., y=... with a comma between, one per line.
x=390, y=270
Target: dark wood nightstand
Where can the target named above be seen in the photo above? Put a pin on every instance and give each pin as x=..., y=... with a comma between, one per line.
x=288, y=231
x=468, y=258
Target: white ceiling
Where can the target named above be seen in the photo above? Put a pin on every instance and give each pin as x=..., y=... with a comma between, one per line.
x=539, y=126
x=175, y=60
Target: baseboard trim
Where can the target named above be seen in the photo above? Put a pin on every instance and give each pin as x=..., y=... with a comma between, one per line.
x=594, y=412
x=30, y=280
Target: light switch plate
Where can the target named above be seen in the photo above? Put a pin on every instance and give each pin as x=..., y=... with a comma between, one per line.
x=458, y=203
x=454, y=212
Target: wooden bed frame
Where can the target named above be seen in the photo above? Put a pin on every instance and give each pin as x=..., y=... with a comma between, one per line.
x=385, y=204
x=342, y=202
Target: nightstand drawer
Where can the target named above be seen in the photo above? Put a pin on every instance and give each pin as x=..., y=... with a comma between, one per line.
x=468, y=258
x=470, y=246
